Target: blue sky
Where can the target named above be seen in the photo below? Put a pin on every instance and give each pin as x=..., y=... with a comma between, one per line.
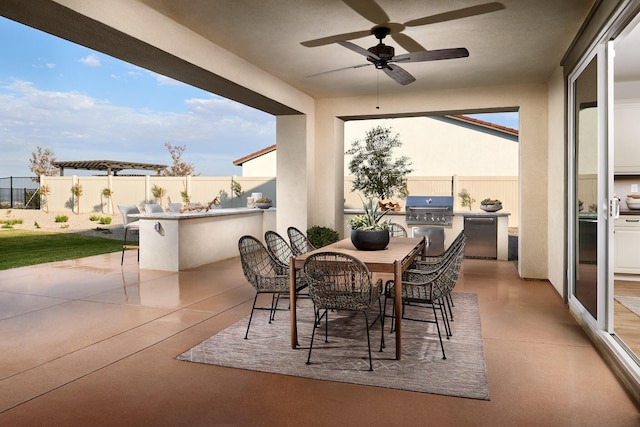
x=84, y=105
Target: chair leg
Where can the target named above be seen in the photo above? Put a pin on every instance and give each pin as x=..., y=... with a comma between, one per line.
x=251, y=316
x=366, y=321
x=382, y=345
x=445, y=318
x=326, y=326
x=124, y=242
x=313, y=334
x=450, y=304
x=274, y=306
x=438, y=328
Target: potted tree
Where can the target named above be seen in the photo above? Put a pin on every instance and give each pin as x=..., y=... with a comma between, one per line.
x=368, y=231
x=377, y=174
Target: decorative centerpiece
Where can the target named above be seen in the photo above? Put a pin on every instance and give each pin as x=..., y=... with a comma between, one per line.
x=368, y=233
x=263, y=203
x=491, y=205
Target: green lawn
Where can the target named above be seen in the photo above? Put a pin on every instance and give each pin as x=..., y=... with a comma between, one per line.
x=19, y=248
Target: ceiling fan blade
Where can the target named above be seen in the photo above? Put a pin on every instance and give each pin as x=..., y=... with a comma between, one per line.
x=457, y=14
x=332, y=39
x=357, y=49
x=432, y=55
x=407, y=43
x=340, y=69
x=398, y=74
x=369, y=10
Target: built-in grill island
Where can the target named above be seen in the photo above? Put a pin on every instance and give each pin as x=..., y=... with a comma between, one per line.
x=428, y=216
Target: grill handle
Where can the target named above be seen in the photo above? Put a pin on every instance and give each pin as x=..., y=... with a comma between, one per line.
x=428, y=209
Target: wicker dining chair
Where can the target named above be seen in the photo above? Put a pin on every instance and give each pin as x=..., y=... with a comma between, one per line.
x=300, y=244
x=260, y=270
x=129, y=225
x=342, y=282
x=429, y=289
x=431, y=263
x=396, y=230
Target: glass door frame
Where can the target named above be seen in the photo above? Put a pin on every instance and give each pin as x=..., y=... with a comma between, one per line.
x=598, y=322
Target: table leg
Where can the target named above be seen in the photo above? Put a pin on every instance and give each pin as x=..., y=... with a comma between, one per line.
x=292, y=296
x=397, y=278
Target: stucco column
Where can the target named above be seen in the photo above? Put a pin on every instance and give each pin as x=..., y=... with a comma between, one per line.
x=291, y=166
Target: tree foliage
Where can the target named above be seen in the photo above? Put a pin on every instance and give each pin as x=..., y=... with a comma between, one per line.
x=376, y=172
x=41, y=162
x=179, y=166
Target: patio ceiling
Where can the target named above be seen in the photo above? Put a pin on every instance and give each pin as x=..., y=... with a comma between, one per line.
x=522, y=43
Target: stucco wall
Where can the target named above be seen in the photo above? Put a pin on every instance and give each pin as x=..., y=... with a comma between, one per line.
x=439, y=148
x=557, y=182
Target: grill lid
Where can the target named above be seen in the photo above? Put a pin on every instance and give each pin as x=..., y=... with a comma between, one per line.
x=429, y=201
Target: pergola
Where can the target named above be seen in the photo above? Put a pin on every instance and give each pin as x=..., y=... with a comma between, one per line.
x=109, y=166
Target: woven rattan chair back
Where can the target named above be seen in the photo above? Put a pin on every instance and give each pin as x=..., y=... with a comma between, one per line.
x=396, y=230
x=258, y=266
x=339, y=281
x=279, y=250
x=300, y=244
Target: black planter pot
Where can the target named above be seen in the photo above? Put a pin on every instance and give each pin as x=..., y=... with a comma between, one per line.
x=370, y=240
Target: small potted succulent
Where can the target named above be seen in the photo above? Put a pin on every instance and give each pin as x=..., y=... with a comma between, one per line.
x=368, y=232
x=263, y=203
x=490, y=205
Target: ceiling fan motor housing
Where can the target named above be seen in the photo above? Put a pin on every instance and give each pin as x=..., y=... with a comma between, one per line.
x=384, y=52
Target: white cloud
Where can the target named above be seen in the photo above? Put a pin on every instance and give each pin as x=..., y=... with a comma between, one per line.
x=90, y=61
x=78, y=127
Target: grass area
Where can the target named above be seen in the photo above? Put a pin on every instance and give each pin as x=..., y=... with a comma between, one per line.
x=19, y=248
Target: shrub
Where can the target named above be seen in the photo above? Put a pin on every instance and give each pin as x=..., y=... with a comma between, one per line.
x=322, y=236
x=94, y=218
x=105, y=220
x=61, y=218
x=11, y=222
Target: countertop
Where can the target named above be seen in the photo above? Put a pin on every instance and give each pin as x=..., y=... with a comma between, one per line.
x=456, y=213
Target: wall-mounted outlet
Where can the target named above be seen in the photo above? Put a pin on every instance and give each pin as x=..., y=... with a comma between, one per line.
x=634, y=188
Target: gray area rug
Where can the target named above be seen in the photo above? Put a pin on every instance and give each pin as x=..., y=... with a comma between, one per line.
x=632, y=303
x=345, y=359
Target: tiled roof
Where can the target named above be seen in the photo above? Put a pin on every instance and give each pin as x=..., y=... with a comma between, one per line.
x=252, y=156
x=482, y=123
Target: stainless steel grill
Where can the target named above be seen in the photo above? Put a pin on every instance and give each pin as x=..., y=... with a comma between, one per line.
x=429, y=210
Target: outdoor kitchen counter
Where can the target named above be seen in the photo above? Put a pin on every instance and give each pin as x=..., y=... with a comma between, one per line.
x=452, y=231
x=173, y=241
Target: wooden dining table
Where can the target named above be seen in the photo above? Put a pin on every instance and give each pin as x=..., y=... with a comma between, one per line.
x=395, y=259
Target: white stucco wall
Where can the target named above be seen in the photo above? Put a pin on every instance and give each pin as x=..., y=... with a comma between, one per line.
x=438, y=148
x=557, y=166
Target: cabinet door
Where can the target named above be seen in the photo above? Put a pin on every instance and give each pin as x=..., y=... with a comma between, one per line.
x=626, y=154
x=627, y=251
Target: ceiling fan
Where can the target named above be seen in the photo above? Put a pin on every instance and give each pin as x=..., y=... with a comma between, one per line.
x=383, y=56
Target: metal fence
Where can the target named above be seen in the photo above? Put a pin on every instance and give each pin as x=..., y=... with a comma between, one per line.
x=19, y=192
